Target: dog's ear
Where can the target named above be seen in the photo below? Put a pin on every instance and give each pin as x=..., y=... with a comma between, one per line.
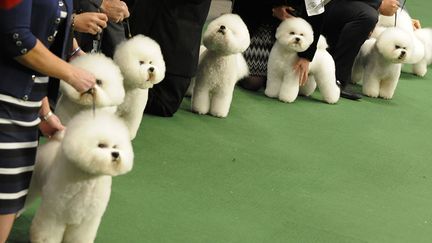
x=279, y=32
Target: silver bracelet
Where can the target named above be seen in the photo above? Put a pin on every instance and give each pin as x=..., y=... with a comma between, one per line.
x=47, y=116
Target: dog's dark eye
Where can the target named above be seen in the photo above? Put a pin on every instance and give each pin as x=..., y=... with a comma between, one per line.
x=141, y=62
x=397, y=47
x=102, y=145
x=98, y=82
x=301, y=34
x=115, y=146
x=292, y=33
x=150, y=62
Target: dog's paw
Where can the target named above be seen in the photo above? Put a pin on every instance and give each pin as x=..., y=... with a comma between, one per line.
x=421, y=72
x=287, y=98
x=219, y=114
x=386, y=96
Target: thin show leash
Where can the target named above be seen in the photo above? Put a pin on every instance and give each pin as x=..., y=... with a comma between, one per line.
x=97, y=46
x=401, y=8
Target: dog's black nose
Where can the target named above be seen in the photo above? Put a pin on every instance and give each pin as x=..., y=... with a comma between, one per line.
x=151, y=69
x=115, y=155
x=403, y=53
x=297, y=39
x=222, y=27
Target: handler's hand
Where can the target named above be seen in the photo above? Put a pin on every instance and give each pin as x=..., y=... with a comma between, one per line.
x=302, y=68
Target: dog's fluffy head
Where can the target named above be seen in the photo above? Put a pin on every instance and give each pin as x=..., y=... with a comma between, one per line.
x=395, y=45
x=141, y=62
x=108, y=90
x=99, y=144
x=227, y=35
x=295, y=34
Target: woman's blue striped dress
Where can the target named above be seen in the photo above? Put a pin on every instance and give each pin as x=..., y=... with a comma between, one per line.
x=19, y=121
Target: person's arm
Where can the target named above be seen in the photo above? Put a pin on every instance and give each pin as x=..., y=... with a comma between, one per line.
x=18, y=42
x=50, y=123
x=43, y=61
x=302, y=66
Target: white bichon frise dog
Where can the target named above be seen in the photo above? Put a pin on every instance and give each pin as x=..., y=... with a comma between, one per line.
x=425, y=36
x=73, y=175
x=292, y=36
x=379, y=62
x=142, y=65
x=221, y=65
x=108, y=92
x=403, y=21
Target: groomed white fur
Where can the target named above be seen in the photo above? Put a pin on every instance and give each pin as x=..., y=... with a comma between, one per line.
x=108, y=91
x=73, y=174
x=378, y=62
x=221, y=65
x=403, y=21
x=425, y=36
x=141, y=62
x=292, y=36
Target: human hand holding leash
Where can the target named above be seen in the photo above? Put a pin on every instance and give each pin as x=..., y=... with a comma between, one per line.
x=389, y=7
x=90, y=22
x=116, y=10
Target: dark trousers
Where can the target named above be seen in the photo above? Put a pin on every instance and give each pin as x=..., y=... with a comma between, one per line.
x=347, y=25
x=176, y=25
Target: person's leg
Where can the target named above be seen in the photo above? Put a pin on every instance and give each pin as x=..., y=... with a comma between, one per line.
x=347, y=25
x=165, y=98
x=257, y=55
x=253, y=82
x=176, y=26
x=6, y=222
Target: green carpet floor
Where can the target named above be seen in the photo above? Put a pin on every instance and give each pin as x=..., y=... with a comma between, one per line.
x=275, y=172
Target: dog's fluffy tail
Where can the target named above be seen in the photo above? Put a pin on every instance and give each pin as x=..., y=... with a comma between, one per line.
x=322, y=43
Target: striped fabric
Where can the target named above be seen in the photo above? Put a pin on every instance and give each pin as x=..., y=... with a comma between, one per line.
x=258, y=52
x=18, y=141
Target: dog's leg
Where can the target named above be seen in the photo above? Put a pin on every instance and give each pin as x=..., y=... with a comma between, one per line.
x=201, y=100
x=82, y=233
x=325, y=78
x=371, y=86
x=221, y=101
x=45, y=229
x=273, y=83
x=388, y=88
x=289, y=88
x=420, y=68
x=309, y=87
x=357, y=72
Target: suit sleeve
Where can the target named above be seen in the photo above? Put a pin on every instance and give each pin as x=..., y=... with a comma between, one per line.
x=87, y=5
x=16, y=37
x=316, y=23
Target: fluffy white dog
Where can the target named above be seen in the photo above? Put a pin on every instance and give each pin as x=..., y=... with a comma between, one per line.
x=141, y=62
x=292, y=36
x=404, y=21
x=379, y=62
x=221, y=65
x=73, y=174
x=425, y=36
x=108, y=92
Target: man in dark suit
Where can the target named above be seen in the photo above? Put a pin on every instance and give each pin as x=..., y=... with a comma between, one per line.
x=177, y=26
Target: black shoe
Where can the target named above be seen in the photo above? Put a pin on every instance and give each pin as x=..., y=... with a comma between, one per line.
x=348, y=94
